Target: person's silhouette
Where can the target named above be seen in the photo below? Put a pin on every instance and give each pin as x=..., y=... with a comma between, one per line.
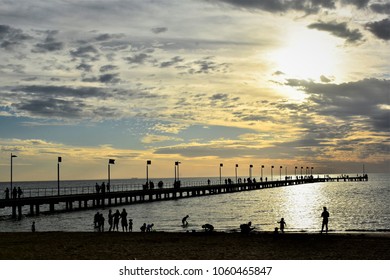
x=282, y=223
x=184, y=221
x=325, y=220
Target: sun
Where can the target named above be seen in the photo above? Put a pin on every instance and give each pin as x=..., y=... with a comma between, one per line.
x=308, y=54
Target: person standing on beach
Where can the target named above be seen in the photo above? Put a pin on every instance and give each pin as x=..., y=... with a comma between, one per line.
x=33, y=226
x=282, y=223
x=124, y=220
x=110, y=219
x=130, y=225
x=325, y=219
x=116, y=220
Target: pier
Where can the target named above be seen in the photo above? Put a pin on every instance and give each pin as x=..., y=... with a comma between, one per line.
x=82, y=201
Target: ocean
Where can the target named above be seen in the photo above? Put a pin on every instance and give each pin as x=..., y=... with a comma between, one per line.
x=353, y=207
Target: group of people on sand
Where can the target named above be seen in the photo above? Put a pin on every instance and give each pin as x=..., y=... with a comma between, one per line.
x=16, y=193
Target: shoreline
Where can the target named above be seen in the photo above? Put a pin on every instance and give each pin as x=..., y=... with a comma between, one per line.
x=193, y=246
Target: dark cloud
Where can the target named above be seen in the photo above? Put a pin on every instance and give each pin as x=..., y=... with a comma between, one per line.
x=325, y=79
x=381, y=8
x=40, y=91
x=10, y=37
x=158, y=30
x=358, y=3
x=84, y=67
x=366, y=100
x=51, y=107
x=109, y=67
x=340, y=30
x=174, y=60
x=85, y=52
x=281, y=6
x=109, y=78
x=50, y=44
x=380, y=29
x=137, y=58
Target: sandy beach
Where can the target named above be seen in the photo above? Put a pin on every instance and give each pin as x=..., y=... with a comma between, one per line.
x=193, y=246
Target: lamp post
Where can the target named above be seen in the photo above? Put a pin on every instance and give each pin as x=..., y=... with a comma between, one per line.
x=280, y=171
x=272, y=173
x=58, y=174
x=148, y=162
x=110, y=161
x=301, y=170
x=250, y=171
x=177, y=167
x=12, y=156
x=220, y=173
x=296, y=171
x=311, y=171
x=262, y=172
x=236, y=173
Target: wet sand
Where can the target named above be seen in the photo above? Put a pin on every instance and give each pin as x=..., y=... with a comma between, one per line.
x=192, y=246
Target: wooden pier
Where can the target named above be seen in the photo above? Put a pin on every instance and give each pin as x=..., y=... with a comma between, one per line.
x=108, y=199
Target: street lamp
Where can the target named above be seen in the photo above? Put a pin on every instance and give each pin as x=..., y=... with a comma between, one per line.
x=262, y=172
x=148, y=162
x=272, y=173
x=177, y=167
x=220, y=173
x=58, y=173
x=296, y=171
x=236, y=173
x=301, y=170
x=311, y=173
x=12, y=156
x=280, y=171
x=250, y=171
x=110, y=161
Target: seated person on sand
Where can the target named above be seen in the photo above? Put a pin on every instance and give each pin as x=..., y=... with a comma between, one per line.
x=143, y=228
x=208, y=228
x=246, y=228
x=184, y=221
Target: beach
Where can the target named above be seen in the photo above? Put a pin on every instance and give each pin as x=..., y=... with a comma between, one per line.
x=193, y=246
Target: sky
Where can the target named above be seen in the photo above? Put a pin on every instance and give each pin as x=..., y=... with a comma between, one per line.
x=301, y=83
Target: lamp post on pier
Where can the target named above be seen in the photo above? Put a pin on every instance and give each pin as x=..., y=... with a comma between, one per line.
x=250, y=171
x=262, y=172
x=12, y=156
x=110, y=161
x=280, y=171
x=220, y=173
x=148, y=162
x=177, y=170
x=301, y=170
x=58, y=174
x=296, y=171
x=272, y=173
x=236, y=173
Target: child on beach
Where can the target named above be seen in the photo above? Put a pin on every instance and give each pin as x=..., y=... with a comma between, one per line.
x=130, y=225
x=282, y=223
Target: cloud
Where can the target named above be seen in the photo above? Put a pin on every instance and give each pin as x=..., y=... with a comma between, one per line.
x=325, y=79
x=366, y=101
x=138, y=58
x=50, y=44
x=381, y=8
x=153, y=138
x=358, y=3
x=340, y=30
x=84, y=67
x=10, y=37
x=281, y=6
x=108, y=67
x=380, y=29
x=174, y=60
x=158, y=30
x=86, y=52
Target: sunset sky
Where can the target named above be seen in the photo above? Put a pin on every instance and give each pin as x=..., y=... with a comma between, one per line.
x=283, y=83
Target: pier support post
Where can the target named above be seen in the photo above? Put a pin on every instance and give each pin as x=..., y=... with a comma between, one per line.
x=13, y=211
x=31, y=209
x=37, y=209
x=19, y=212
x=51, y=207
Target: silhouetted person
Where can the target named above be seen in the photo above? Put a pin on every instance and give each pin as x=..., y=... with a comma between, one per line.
x=14, y=193
x=246, y=228
x=208, y=182
x=97, y=187
x=160, y=184
x=101, y=223
x=124, y=220
x=6, y=193
x=33, y=227
x=110, y=219
x=116, y=220
x=143, y=228
x=208, y=228
x=149, y=227
x=130, y=225
x=103, y=188
x=96, y=219
x=20, y=192
x=184, y=221
x=282, y=223
x=276, y=233
x=325, y=219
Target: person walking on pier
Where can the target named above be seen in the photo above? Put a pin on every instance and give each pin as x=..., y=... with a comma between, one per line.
x=325, y=220
x=124, y=220
x=20, y=192
x=14, y=193
x=282, y=223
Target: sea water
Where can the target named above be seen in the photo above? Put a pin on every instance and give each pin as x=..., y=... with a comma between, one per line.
x=353, y=206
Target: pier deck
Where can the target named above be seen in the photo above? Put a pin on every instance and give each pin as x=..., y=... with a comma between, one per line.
x=83, y=201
